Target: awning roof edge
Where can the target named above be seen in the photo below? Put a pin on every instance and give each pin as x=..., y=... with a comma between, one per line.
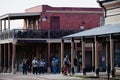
x=18, y=15
x=102, y=30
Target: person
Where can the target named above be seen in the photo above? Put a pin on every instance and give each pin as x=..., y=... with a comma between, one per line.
x=41, y=66
x=24, y=66
x=65, y=70
x=80, y=61
x=57, y=64
x=35, y=65
x=75, y=64
x=54, y=65
x=66, y=65
x=28, y=64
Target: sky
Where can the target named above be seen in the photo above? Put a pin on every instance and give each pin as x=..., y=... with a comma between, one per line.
x=17, y=6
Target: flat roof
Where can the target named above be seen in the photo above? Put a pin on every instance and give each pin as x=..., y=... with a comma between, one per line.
x=19, y=15
x=105, y=0
x=102, y=30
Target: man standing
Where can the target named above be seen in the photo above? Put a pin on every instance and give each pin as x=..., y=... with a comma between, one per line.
x=35, y=65
x=25, y=66
x=41, y=66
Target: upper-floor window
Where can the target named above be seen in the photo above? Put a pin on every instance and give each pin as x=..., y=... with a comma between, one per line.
x=102, y=21
x=54, y=23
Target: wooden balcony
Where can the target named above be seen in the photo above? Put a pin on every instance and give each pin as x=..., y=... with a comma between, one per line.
x=34, y=33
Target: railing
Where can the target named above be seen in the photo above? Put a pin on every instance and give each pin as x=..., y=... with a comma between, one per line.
x=28, y=33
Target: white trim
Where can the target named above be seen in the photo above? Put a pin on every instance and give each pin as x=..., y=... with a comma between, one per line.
x=8, y=41
x=47, y=40
x=59, y=41
x=18, y=15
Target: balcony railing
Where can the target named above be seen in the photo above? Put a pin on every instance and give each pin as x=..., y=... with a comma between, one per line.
x=27, y=33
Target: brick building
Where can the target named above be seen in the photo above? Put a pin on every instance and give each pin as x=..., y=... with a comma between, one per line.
x=43, y=28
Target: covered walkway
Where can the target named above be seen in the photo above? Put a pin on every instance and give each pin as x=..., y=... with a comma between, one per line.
x=108, y=36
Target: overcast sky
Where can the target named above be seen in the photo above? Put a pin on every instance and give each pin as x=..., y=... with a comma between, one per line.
x=17, y=6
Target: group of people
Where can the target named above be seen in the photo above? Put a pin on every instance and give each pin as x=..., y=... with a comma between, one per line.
x=38, y=66
x=67, y=65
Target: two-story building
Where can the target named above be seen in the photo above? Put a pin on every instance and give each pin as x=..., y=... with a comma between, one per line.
x=41, y=36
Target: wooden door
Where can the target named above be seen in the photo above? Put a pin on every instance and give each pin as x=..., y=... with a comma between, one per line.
x=54, y=23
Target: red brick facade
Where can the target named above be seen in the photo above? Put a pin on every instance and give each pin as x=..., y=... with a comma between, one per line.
x=67, y=18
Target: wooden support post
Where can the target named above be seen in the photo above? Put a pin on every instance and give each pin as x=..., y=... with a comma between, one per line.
x=62, y=55
x=14, y=58
x=49, y=70
x=9, y=58
x=72, y=56
x=112, y=56
x=83, y=56
x=96, y=58
x=5, y=67
x=93, y=56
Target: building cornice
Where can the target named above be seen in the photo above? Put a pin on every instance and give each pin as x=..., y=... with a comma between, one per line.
x=112, y=4
x=93, y=12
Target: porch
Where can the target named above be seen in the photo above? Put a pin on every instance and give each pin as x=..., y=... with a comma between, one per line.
x=17, y=44
x=108, y=36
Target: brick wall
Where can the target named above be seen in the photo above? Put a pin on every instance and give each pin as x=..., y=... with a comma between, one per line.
x=70, y=18
x=73, y=21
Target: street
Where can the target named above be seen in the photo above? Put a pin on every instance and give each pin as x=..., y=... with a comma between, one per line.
x=47, y=76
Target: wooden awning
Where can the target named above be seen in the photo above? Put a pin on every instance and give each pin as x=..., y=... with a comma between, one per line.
x=99, y=31
x=19, y=15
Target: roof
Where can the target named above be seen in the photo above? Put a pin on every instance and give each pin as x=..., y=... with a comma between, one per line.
x=102, y=30
x=105, y=1
x=19, y=15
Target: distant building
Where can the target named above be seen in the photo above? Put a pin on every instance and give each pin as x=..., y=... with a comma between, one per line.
x=41, y=37
x=112, y=16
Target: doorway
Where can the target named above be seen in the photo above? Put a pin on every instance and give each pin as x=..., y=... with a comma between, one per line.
x=54, y=23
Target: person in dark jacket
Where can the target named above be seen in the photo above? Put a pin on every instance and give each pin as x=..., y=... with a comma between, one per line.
x=24, y=66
